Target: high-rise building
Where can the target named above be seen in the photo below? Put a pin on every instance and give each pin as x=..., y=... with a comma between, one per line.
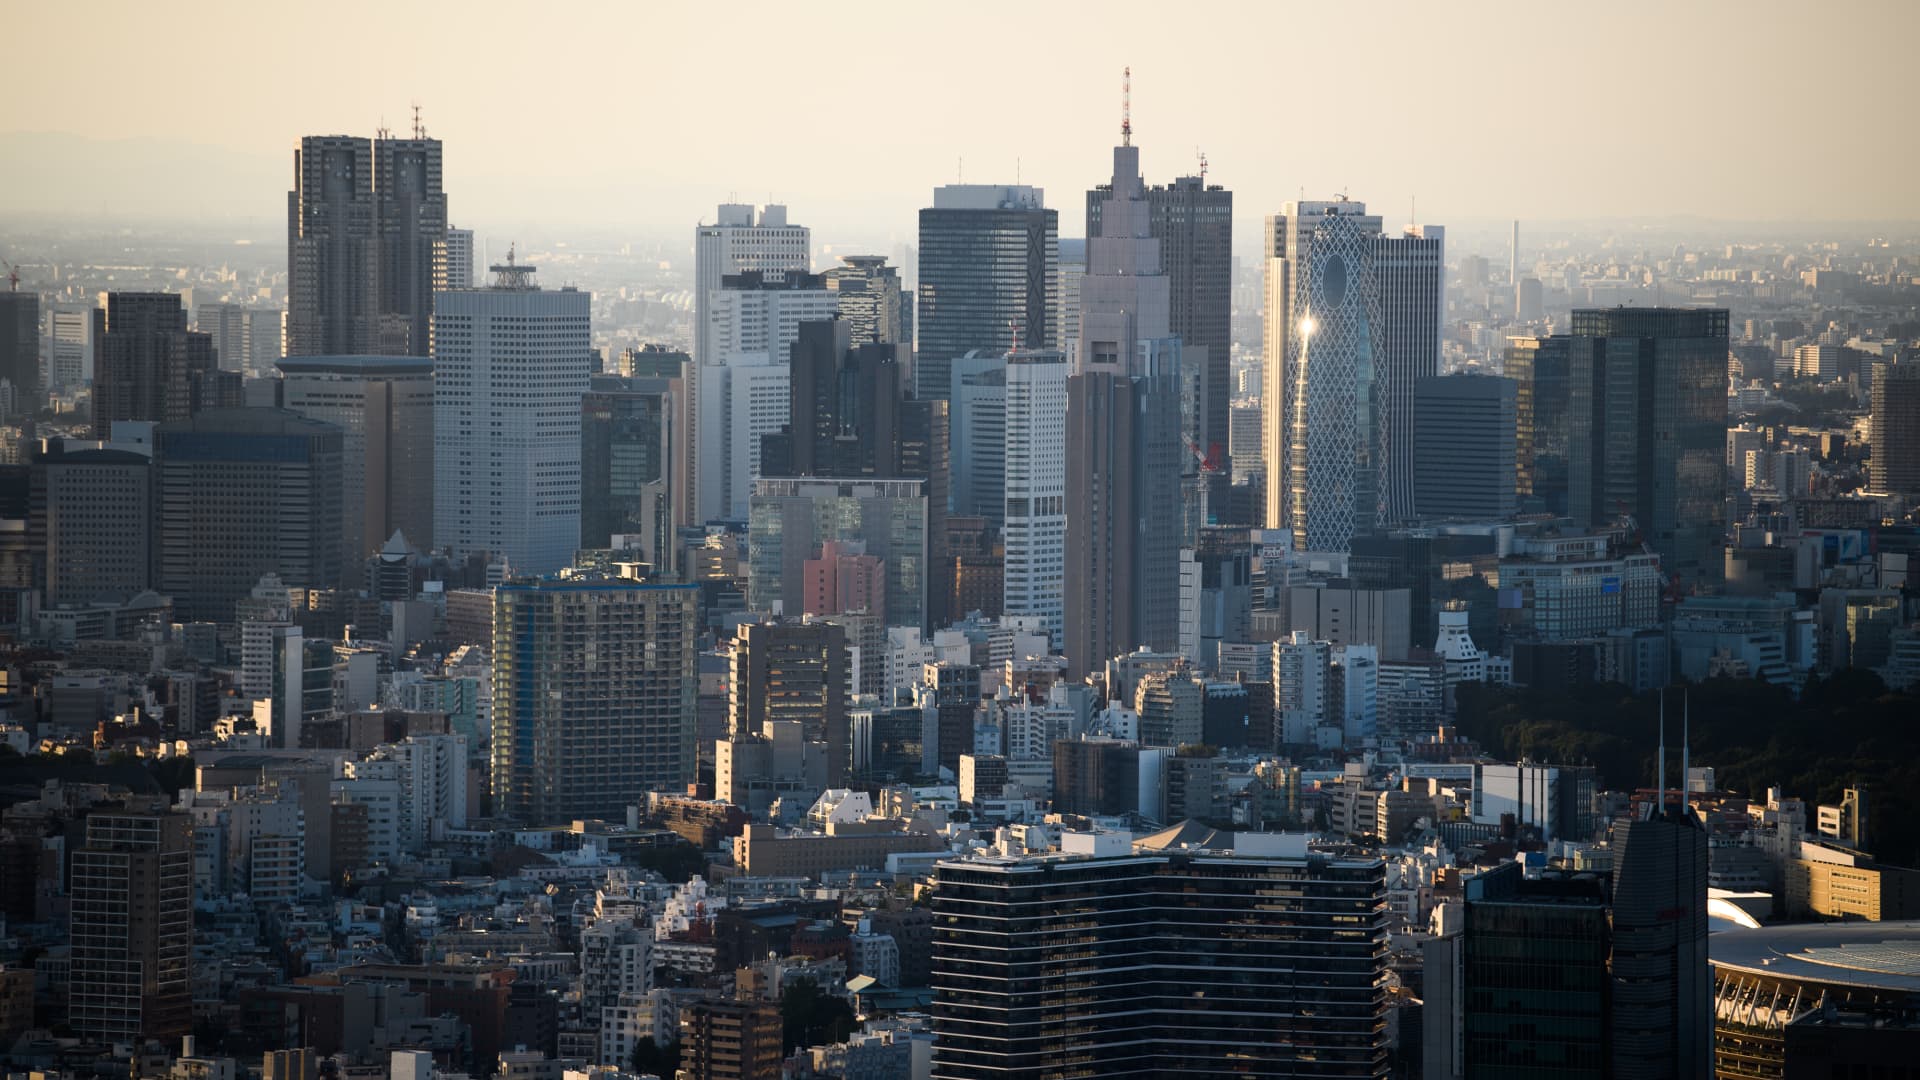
x=89, y=524
x=753, y=321
x=1123, y=499
x=795, y=671
x=410, y=209
x=627, y=467
x=979, y=410
x=870, y=299
x=1232, y=955
x=740, y=241
x=458, y=268
x=1538, y=368
x=132, y=926
x=333, y=299
x=1648, y=429
x=1463, y=456
x=1894, y=432
x=730, y=1040
x=383, y=406
x=1193, y=221
x=1661, y=987
x=510, y=365
x=148, y=366
x=20, y=348
x=790, y=519
x=987, y=277
x=595, y=682
x=1035, y=485
x=242, y=493
x=75, y=331
x=226, y=327
x=1352, y=323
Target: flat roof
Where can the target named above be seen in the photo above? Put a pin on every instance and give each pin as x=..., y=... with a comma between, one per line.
x=1870, y=955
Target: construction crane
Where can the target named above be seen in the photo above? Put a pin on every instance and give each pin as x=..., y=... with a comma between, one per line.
x=13, y=275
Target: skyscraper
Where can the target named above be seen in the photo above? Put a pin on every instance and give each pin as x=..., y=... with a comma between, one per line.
x=383, y=406
x=20, y=348
x=148, y=366
x=510, y=365
x=627, y=445
x=793, y=671
x=242, y=493
x=594, y=687
x=1462, y=446
x=1662, y=989
x=987, y=277
x=411, y=222
x=1410, y=271
x=869, y=298
x=739, y=241
x=333, y=299
x=88, y=522
x=789, y=520
x=1123, y=500
x=979, y=411
x=753, y=320
x=1189, y=953
x=1035, y=463
x=1647, y=434
x=1193, y=221
x=1894, y=432
x=76, y=331
x=132, y=925
x=458, y=265
x=1538, y=368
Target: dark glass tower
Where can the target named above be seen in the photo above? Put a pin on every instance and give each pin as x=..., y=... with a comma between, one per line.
x=626, y=462
x=20, y=348
x=1533, y=976
x=1538, y=368
x=1647, y=431
x=987, y=258
x=411, y=212
x=333, y=299
x=149, y=366
x=1662, y=990
x=1196, y=963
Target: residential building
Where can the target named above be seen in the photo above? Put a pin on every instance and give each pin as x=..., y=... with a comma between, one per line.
x=1894, y=428
x=132, y=926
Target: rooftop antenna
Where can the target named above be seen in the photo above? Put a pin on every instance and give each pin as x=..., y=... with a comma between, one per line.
x=1202, y=155
x=1126, y=106
x=419, y=129
x=383, y=132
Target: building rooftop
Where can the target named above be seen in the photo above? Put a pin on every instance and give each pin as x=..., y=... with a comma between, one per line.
x=1870, y=955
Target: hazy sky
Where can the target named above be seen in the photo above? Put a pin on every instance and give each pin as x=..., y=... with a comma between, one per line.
x=647, y=114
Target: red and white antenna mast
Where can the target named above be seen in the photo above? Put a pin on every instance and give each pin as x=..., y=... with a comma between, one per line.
x=1126, y=106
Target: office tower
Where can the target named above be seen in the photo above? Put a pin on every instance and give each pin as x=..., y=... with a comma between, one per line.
x=1522, y=989
x=790, y=518
x=383, y=406
x=458, y=268
x=753, y=320
x=132, y=925
x=1662, y=992
x=979, y=411
x=299, y=681
x=265, y=328
x=1538, y=368
x=1123, y=500
x=1243, y=441
x=20, y=348
x=226, y=328
x=845, y=410
x=75, y=332
x=1266, y=961
x=1193, y=221
x=148, y=366
x=793, y=671
x=410, y=217
x=1410, y=271
x=1463, y=456
x=870, y=299
x=1648, y=429
x=740, y=241
x=595, y=682
x=627, y=467
x=245, y=492
x=1071, y=257
x=333, y=299
x=1216, y=593
x=987, y=277
x=89, y=524
x=1894, y=431
x=510, y=365
x=1035, y=481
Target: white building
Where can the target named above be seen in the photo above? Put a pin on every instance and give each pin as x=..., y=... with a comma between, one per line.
x=1035, y=470
x=510, y=365
x=1356, y=669
x=1300, y=675
x=70, y=359
x=459, y=259
x=978, y=393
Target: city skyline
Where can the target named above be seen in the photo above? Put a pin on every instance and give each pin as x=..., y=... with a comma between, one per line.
x=1463, y=140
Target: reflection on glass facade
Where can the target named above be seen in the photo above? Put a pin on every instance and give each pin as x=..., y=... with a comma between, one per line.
x=1538, y=367
x=1194, y=964
x=788, y=520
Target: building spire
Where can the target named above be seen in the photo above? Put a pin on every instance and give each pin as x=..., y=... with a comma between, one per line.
x=1126, y=106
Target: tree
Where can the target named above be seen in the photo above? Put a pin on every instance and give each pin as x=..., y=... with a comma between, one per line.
x=651, y=1057
x=811, y=1017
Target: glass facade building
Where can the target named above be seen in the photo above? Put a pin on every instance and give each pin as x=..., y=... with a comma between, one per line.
x=626, y=462
x=788, y=520
x=987, y=280
x=1534, y=976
